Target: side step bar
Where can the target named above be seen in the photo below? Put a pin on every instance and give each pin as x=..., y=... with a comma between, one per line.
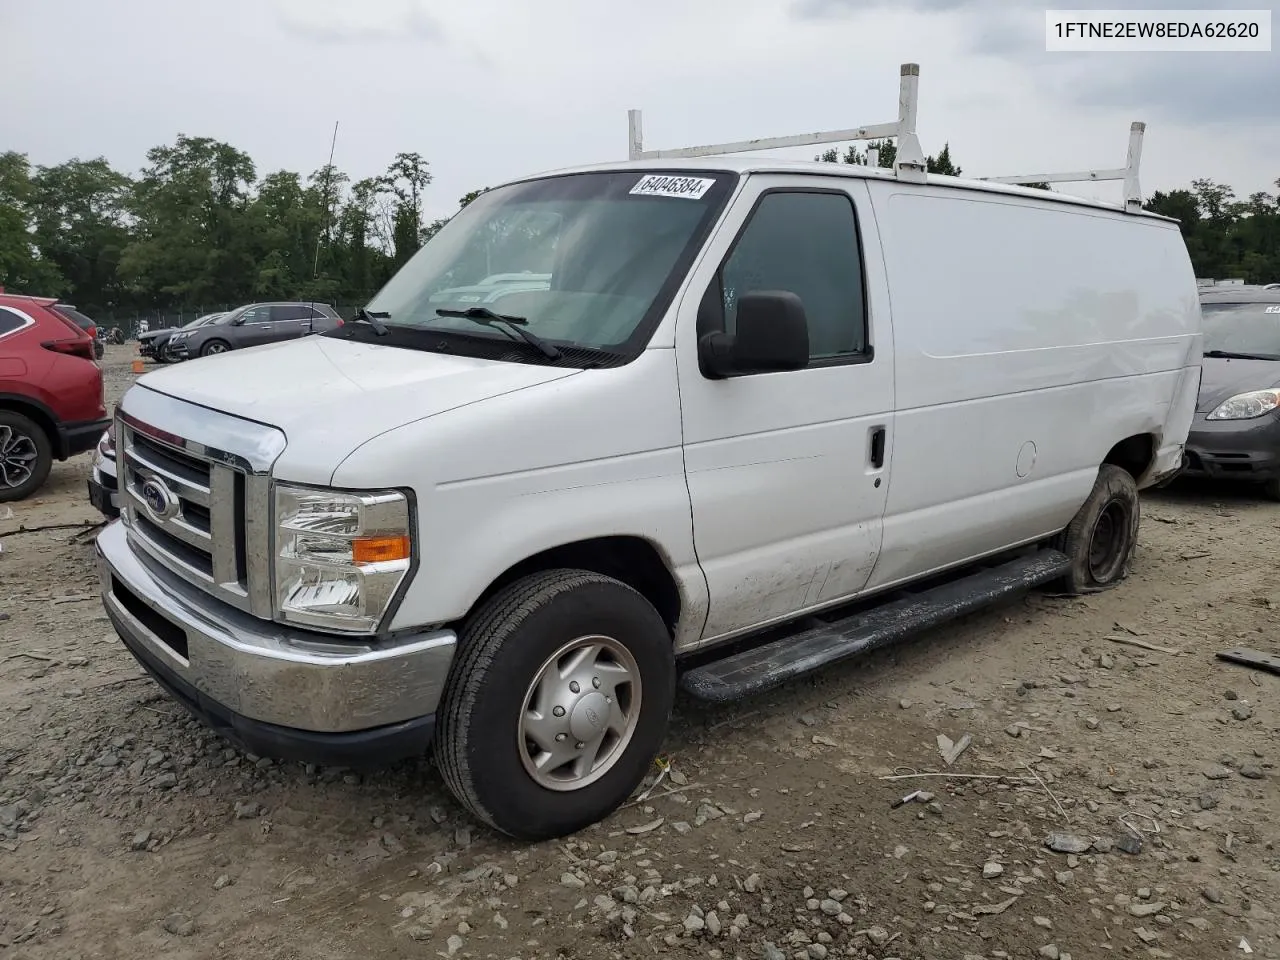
x=762, y=668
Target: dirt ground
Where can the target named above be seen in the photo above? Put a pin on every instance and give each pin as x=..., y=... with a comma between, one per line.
x=127, y=830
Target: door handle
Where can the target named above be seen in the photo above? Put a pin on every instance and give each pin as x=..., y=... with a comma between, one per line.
x=877, y=447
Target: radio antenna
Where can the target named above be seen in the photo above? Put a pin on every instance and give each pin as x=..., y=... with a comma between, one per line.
x=328, y=183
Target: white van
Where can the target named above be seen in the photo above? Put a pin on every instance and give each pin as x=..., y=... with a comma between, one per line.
x=752, y=392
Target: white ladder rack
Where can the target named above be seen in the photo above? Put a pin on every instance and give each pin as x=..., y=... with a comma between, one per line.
x=910, y=161
x=1128, y=173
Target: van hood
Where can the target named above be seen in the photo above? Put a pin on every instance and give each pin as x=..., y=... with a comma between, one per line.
x=1221, y=379
x=334, y=394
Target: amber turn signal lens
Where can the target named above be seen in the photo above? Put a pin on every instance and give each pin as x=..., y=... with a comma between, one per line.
x=379, y=549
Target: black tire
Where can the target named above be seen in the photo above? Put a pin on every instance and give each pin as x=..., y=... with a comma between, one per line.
x=1271, y=489
x=1101, y=538
x=213, y=347
x=501, y=651
x=26, y=456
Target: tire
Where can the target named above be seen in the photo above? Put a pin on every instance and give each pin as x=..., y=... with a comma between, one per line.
x=481, y=746
x=1271, y=489
x=1101, y=538
x=26, y=456
x=213, y=347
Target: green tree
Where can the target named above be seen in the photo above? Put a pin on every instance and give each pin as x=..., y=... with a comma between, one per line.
x=78, y=212
x=23, y=267
x=190, y=245
x=406, y=179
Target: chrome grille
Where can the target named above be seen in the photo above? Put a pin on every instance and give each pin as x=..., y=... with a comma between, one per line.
x=195, y=507
x=191, y=519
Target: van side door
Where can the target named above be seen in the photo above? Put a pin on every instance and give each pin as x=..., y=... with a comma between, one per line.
x=788, y=471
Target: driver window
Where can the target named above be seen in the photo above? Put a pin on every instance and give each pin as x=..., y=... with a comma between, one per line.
x=805, y=243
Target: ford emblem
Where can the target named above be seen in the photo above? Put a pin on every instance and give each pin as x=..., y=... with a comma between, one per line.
x=161, y=503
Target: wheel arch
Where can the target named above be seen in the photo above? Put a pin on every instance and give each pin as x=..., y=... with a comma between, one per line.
x=1136, y=455
x=633, y=560
x=41, y=415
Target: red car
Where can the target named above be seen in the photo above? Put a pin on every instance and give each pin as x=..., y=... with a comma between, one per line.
x=51, y=397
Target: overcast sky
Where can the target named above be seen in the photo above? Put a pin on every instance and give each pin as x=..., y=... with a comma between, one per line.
x=492, y=89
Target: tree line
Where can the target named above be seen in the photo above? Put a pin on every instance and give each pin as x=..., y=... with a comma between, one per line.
x=198, y=225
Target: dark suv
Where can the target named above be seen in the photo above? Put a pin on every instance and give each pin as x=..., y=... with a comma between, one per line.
x=252, y=326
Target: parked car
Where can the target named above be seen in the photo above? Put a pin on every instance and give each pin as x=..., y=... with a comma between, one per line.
x=1236, y=432
x=103, y=491
x=84, y=323
x=51, y=392
x=155, y=343
x=494, y=288
x=765, y=412
x=252, y=326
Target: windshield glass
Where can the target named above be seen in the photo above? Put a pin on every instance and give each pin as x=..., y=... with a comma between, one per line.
x=588, y=259
x=1252, y=328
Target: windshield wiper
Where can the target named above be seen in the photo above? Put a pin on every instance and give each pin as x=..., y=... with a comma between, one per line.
x=487, y=318
x=373, y=319
x=1232, y=355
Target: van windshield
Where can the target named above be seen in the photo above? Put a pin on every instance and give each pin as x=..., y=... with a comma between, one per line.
x=589, y=260
x=1252, y=329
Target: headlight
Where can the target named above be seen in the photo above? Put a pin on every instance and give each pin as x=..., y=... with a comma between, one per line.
x=340, y=555
x=1246, y=406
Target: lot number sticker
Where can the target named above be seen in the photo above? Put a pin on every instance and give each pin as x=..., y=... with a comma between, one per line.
x=1275, y=309
x=686, y=188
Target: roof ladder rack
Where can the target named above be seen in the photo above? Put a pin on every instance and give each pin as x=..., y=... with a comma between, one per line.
x=910, y=163
x=1128, y=173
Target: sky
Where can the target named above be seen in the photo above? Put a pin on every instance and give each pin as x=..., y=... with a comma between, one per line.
x=490, y=90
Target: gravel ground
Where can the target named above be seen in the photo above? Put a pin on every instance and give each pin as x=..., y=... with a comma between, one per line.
x=127, y=830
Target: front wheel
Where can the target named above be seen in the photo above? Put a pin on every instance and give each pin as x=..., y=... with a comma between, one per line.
x=557, y=703
x=214, y=346
x=1101, y=538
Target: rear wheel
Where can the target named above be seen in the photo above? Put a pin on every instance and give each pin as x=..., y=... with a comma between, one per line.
x=214, y=346
x=557, y=703
x=1101, y=538
x=26, y=456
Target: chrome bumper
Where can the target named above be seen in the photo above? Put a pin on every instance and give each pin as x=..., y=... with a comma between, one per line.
x=263, y=671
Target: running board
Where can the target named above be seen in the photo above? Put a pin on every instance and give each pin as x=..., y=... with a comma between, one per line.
x=761, y=668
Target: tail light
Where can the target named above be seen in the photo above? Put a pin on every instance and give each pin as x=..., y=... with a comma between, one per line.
x=93, y=333
x=72, y=348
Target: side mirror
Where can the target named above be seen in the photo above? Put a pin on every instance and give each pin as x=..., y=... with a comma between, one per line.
x=772, y=335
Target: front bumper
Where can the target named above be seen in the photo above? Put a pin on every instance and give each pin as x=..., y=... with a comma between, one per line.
x=1247, y=450
x=76, y=438
x=103, y=492
x=273, y=690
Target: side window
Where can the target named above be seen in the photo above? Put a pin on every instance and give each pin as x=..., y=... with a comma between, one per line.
x=289, y=312
x=258, y=315
x=10, y=322
x=806, y=244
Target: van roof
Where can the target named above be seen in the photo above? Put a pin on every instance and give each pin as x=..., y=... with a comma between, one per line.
x=824, y=169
